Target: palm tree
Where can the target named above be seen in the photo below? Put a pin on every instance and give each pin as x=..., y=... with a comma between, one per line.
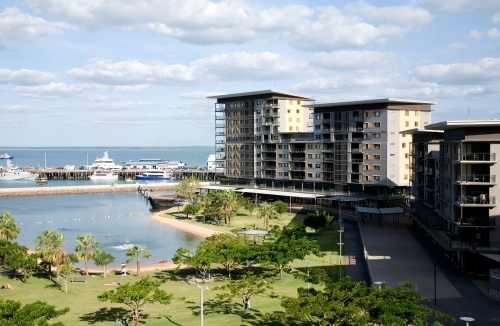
x=87, y=247
x=136, y=252
x=266, y=212
x=50, y=248
x=8, y=227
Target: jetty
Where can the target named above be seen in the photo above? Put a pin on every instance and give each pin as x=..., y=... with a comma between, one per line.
x=125, y=174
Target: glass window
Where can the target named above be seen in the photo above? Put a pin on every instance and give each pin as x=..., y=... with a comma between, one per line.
x=288, y=111
x=285, y=174
x=309, y=175
x=318, y=175
x=318, y=165
x=285, y=165
x=376, y=177
x=309, y=156
x=407, y=113
x=258, y=102
x=376, y=167
x=309, y=165
x=416, y=123
x=309, y=146
x=376, y=135
x=317, y=127
x=377, y=113
x=377, y=124
x=280, y=146
x=296, y=128
x=298, y=119
x=289, y=119
x=298, y=111
x=318, y=146
x=318, y=155
x=285, y=146
x=318, y=117
x=407, y=123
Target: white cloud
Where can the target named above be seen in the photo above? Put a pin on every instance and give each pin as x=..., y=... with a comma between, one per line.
x=334, y=30
x=25, y=77
x=496, y=18
x=474, y=34
x=222, y=67
x=58, y=90
x=399, y=15
x=460, y=5
x=493, y=33
x=237, y=21
x=459, y=46
x=17, y=26
x=484, y=71
x=198, y=95
x=351, y=60
x=360, y=81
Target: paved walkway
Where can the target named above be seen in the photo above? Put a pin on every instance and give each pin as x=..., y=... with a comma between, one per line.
x=404, y=253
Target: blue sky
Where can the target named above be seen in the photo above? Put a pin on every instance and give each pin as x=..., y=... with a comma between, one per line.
x=137, y=73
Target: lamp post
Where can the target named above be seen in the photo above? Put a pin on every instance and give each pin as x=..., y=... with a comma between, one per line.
x=201, y=302
x=341, y=230
x=467, y=320
x=307, y=261
x=378, y=284
x=435, y=296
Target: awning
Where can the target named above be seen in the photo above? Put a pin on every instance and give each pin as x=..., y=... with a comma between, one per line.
x=279, y=193
x=217, y=187
x=367, y=210
x=344, y=198
x=254, y=232
x=495, y=257
x=391, y=210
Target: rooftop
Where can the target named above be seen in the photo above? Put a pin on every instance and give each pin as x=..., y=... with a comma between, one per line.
x=265, y=92
x=375, y=101
x=445, y=125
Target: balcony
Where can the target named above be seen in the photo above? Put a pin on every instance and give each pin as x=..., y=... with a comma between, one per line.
x=297, y=159
x=298, y=150
x=326, y=120
x=467, y=179
x=297, y=177
x=357, y=139
x=476, y=201
x=220, y=133
x=326, y=130
x=269, y=167
x=297, y=168
x=220, y=117
x=478, y=157
x=220, y=141
x=270, y=105
x=268, y=158
x=306, y=139
x=220, y=109
x=272, y=114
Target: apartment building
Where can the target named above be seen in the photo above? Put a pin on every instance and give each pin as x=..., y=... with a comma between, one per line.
x=454, y=185
x=283, y=140
x=244, y=122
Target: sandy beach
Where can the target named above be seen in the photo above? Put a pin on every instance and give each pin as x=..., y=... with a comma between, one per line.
x=171, y=222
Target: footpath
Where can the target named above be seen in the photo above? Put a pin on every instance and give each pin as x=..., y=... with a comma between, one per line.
x=403, y=253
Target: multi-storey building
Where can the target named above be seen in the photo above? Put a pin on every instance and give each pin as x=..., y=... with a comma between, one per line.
x=283, y=140
x=454, y=184
x=245, y=122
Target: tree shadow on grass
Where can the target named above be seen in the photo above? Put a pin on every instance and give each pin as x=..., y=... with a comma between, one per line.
x=108, y=314
x=226, y=306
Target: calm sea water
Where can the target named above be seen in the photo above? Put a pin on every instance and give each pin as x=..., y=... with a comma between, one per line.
x=113, y=218
x=61, y=156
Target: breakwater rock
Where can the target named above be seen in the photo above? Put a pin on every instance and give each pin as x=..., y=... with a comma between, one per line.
x=41, y=191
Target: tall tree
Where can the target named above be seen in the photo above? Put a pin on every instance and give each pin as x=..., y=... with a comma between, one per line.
x=65, y=272
x=50, y=249
x=102, y=258
x=266, y=213
x=354, y=303
x=136, y=252
x=18, y=258
x=192, y=209
x=316, y=220
x=201, y=260
x=228, y=250
x=246, y=287
x=8, y=227
x=292, y=244
x=187, y=188
x=13, y=313
x=86, y=248
x=280, y=207
x=221, y=205
x=138, y=295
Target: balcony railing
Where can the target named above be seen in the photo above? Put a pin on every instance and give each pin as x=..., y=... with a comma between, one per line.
x=476, y=178
x=220, y=117
x=270, y=105
x=220, y=125
x=476, y=200
x=298, y=168
x=479, y=157
x=297, y=177
x=357, y=139
x=220, y=133
x=267, y=158
x=220, y=141
x=306, y=139
x=220, y=109
x=297, y=159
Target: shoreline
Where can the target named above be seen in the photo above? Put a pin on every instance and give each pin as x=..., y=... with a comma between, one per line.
x=153, y=267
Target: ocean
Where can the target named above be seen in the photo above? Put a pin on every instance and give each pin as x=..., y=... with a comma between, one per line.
x=113, y=218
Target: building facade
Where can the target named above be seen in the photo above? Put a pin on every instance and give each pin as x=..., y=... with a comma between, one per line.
x=455, y=190
x=281, y=140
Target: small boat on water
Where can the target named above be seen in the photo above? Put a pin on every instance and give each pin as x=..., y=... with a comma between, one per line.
x=105, y=162
x=154, y=175
x=103, y=175
x=6, y=157
x=41, y=180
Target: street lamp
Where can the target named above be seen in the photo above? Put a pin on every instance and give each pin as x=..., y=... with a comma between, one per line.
x=435, y=296
x=467, y=320
x=201, y=302
x=307, y=261
x=341, y=230
x=378, y=284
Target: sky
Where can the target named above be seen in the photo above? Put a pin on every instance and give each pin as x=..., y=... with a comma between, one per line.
x=138, y=73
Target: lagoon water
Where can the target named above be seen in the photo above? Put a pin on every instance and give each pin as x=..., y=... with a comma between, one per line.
x=113, y=218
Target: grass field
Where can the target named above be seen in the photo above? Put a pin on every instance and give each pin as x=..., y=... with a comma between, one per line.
x=85, y=309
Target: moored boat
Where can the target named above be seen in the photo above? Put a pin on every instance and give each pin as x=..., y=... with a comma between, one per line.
x=12, y=173
x=154, y=175
x=103, y=175
x=105, y=163
x=41, y=180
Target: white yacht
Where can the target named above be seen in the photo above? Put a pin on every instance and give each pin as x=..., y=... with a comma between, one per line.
x=105, y=163
x=14, y=173
x=6, y=156
x=154, y=174
x=103, y=175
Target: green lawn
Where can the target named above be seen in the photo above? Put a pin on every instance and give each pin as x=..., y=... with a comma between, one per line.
x=86, y=309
